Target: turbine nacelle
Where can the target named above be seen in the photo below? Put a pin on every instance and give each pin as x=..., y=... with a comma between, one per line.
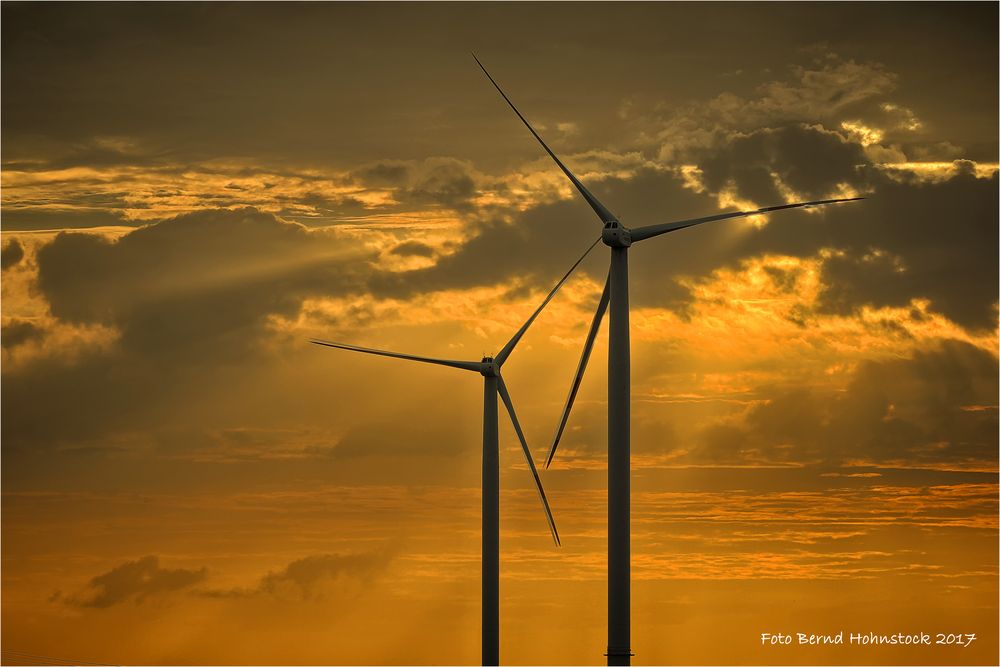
x=616, y=235
x=490, y=367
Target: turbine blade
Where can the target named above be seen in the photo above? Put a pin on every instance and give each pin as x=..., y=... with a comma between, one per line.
x=643, y=233
x=505, y=395
x=464, y=365
x=588, y=347
x=509, y=347
x=602, y=212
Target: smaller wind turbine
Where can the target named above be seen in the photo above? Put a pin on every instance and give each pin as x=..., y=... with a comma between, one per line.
x=493, y=384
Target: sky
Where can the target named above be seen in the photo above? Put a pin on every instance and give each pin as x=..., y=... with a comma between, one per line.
x=192, y=191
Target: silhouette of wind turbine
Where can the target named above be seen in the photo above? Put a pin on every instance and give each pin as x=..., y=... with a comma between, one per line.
x=489, y=368
x=619, y=238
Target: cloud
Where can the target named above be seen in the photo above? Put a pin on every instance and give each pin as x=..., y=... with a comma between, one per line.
x=19, y=331
x=135, y=580
x=808, y=160
x=827, y=87
x=924, y=231
x=184, y=298
x=413, y=249
x=936, y=407
x=905, y=241
x=308, y=576
x=828, y=90
x=538, y=244
x=196, y=285
x=37, y=218
x=910, y=239
x=11, y=254
x=45, y=196
x=387, y=173
x=313, y=577
x=193, y=293
x=42, y=195
x=443, y=181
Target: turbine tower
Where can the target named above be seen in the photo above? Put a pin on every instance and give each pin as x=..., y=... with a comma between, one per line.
x=493, y=384
x=618, y=237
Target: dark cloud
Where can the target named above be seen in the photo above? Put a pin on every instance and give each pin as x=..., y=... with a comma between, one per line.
x=188, y=296
x=543, y=241
x=308, y=576
x=198, y=289
x=33, y=219
x=443, y=182
x=197, y=285
x=96, y=152
x=906, y=240
x=304, y=579
x=135, y=580
x=18, y=332
x=317, y=209
x=388, y=173
x=936, y=407
x=413, y=249
x=312, y=577
x=808, y=159
x=827, y=87
x=12, y=253
x=939, y=405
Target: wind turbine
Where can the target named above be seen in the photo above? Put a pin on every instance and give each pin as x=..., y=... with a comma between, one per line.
x=619, y=238
x=489, y=368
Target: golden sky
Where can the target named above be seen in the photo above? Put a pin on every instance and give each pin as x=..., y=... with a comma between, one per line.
x=191, y=192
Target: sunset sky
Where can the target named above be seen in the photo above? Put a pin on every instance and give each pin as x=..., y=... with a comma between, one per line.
x=192, y=191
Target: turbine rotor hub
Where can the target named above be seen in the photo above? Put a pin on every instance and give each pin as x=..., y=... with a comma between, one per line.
x=616, y=235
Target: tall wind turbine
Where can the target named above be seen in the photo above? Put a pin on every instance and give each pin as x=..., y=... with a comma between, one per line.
x=489, y=368
x=619, y=238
